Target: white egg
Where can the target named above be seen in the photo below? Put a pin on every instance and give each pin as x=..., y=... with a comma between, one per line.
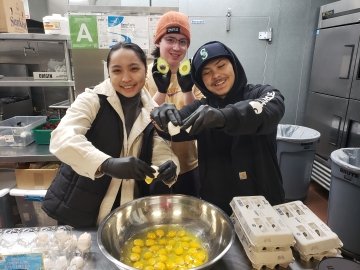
x=173, y=130
x=78, y=262
x=42, y=238
x=48, y=264
x=61, y=263
x=84, y=242
x=61, y=236
x=156, y=168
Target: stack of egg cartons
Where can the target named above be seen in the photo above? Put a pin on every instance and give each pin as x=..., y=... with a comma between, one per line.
x=266, y=239
x=314, y=239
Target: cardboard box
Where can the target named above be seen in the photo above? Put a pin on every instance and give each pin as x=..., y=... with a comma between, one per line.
x=34, y=178
x=12, y=16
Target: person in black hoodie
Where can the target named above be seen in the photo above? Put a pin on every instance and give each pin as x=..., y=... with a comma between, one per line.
x=235, y=126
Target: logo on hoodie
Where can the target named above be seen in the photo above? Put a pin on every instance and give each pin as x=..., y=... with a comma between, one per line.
x=258, y=104
x=204, y=54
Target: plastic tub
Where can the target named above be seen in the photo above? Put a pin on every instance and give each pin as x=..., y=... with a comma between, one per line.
x=343, y=204
x=17, y=130
x=42, y=133
x=29, y=204
x=9, y=215
x=296, y=147
x=56, y=24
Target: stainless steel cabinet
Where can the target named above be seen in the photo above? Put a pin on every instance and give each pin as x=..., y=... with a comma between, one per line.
x=334, y=60
x=333, y=106
x=326, y=114
x=351, y=137
x=34, y=53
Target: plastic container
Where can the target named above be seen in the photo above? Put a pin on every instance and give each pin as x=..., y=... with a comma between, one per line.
x=296, y=147
x=41, y=135
x=17, y=130
x=56, y=24
x=343, y=203
x=29, y=204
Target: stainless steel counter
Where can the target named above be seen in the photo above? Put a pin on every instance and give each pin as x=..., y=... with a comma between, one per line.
x=30, y=153
x=234, y=259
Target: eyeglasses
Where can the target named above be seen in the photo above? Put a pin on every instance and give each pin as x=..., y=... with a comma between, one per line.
x=183, y=43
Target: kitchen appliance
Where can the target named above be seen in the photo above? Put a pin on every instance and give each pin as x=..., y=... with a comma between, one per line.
x=333, y=105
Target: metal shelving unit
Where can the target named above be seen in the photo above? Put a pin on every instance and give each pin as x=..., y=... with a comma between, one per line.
x=29, y=81
x=31, y=49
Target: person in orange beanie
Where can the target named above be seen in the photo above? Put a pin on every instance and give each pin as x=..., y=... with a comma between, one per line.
x=172, y=39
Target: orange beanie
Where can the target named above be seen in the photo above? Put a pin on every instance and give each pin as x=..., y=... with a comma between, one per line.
x=172, y=22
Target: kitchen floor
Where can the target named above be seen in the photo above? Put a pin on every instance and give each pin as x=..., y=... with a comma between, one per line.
x=317, y=200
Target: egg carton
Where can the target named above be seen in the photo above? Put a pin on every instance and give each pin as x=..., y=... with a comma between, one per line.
x=261, y=259
x=261, y=223
x=57, y=247
x=319, y=256
x=312, y=235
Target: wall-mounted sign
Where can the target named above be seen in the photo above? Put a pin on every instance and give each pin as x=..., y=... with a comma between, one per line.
x=103, y=31
x=83, y=31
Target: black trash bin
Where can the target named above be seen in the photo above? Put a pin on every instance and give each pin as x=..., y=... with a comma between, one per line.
x=344, y=199
x=296, y=147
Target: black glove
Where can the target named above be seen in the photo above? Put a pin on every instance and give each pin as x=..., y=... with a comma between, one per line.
x=165, y=113
x=204, y=117
x=162, y=81
x=185, y=81
x=127, y=168
x=167, y=172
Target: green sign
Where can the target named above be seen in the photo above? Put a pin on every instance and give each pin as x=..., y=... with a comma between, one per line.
x=83, y=31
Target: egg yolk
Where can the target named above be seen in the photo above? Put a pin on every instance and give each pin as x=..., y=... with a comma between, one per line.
x=168, y=247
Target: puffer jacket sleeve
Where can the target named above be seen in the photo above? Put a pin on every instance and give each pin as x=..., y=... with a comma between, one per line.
x=259, y=113
x=68, y=142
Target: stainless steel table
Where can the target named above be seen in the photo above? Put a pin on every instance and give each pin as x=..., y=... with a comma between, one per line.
x=30, y=153
x=234, y=259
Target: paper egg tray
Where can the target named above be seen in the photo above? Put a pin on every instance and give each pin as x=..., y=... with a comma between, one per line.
x=312, y=235
x=319, y=256
x=261, y=259
x=261, y=223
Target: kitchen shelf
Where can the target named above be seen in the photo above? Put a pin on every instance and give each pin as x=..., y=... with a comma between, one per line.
x=30, y=82
x=33, y=37
x=61, y=105
x=30, y=153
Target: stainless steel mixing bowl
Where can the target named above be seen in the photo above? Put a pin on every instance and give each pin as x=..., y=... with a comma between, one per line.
x=201, y=218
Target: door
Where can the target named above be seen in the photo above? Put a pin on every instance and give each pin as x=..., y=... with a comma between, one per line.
x=334, y=60
x=351, y=136
x=326, y=114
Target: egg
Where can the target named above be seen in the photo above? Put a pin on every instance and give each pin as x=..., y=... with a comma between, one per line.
x=48, y=264
x=84, y=242
x=188, y=129
x=173, y=130
x=148, y=179
x=77, y=262
x=61, y=263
